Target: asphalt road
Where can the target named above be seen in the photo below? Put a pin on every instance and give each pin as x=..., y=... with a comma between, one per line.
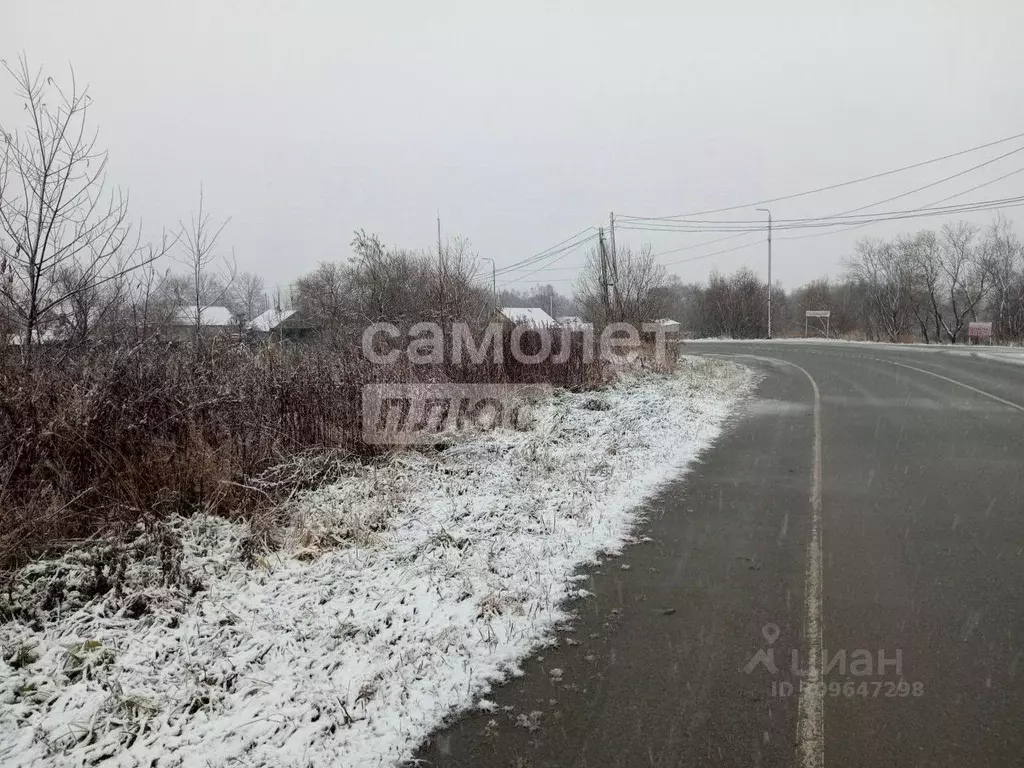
x=905, y=577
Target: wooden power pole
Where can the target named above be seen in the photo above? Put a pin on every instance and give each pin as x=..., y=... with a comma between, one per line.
x=615, y=266
x=440, y=271
x=604, y=273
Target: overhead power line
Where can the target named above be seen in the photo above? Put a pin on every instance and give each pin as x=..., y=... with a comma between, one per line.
x=838, y=221
x=910, y=213
x=560, y=269
x=975, y=188
x=699, y=245
x=828, y=187
x=759, y=241
x=568, y=251
x=1012, y=202
x=555, y=250
x=934, y=183
x=687, y=225
x=845, y=219
x=548, y=258
x=545, y=253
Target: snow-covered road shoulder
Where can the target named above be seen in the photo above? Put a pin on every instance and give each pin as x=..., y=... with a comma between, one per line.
x=401, y=595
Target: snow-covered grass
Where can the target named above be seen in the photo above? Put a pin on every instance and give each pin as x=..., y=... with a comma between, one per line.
x=999, y=353
x=1016, y=357
x=940, y=346
x=398, y=597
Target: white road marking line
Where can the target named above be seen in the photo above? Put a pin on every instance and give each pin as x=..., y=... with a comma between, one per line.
x=810, y=725
x=954, y=381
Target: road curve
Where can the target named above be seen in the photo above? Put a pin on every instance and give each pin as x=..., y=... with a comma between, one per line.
x=698, y=654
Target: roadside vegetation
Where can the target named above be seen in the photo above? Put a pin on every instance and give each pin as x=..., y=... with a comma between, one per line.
x=201, y=557
x=923, y=287
x=394, y=596
x=110, y=421
x=115, y=415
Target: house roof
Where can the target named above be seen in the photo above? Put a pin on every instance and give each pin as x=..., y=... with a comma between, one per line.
x=666, y=321
x=48, y=336
x=529, y=316
x=58, y=325
x=574, y=321
x=270, y=320
x=209, y=317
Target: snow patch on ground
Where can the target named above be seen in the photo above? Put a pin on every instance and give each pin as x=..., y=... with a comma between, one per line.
x=998, y=349
x=996, y=353
x=402, y=594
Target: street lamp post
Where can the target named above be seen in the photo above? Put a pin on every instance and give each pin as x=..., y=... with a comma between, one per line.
x=769, y=270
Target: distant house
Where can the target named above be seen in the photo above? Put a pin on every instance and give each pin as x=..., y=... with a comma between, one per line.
x=574, y=323
x=279, y=324
x=531, y=317
x=671, y=327
x=213, y=321
x=59, y=326
x=40, y=338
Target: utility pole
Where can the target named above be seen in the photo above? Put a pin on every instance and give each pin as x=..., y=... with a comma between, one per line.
x=494, y=280
x=611, y=234
x=440, y=271
x=615, y=264
x=551, y=300
x=604, y=273
x=769, y=270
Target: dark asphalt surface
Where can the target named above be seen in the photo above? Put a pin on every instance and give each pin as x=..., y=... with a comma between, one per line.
x=922, y=531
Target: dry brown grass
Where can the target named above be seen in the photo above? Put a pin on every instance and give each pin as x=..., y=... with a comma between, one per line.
x=100, y=440
x=107, y=437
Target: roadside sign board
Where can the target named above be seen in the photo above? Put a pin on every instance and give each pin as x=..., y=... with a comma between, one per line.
x=824, y=314
x=979, y=330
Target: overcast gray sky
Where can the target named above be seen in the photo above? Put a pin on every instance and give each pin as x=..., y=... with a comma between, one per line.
x=526, y=123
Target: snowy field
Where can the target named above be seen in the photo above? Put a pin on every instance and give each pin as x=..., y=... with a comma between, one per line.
x=397, y=597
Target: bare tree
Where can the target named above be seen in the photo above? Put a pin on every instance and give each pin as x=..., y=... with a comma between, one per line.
x=883, y=271
x=324, y=296
x=391, y=284
x=62, y=236
x=146, y=308
x=640, y=279
x=590, y=292
x=210, y=273
x=927, y=285
x=85, y=307
x=920, y=261
x=966, y=279
x=734, y=306
x=1003, y=259
x=459, y=295
x=373, y=277
x=248, y=296
x=638, y=294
